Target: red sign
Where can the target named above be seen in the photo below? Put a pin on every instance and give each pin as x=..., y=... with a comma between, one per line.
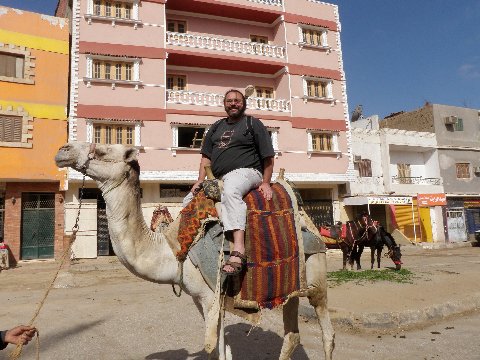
x=425, y=200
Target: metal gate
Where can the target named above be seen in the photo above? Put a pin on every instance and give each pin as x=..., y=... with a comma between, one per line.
x=320, y=211
x=104, y=246
x=457, y=230
x=473, y=221
x=38, y=225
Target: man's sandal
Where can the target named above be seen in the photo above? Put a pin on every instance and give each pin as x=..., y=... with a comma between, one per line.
x=237, y=266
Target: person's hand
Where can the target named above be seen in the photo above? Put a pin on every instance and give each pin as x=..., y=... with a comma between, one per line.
x=196, y=187
x=266, y=191
x=20, y=335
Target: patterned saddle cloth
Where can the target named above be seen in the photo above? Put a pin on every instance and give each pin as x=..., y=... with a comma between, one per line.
x=275, y=260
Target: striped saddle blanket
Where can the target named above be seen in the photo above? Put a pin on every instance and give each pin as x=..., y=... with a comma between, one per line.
x=271, y=247
x=272, y=250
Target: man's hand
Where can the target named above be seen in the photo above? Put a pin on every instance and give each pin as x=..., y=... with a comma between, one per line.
x=196, y=187
x=20, y=335
x=266, y=191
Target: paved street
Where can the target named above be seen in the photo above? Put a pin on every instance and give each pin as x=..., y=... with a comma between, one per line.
x=99, y=311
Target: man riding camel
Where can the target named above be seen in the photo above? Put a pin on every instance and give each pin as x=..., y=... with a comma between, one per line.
x=240, y=152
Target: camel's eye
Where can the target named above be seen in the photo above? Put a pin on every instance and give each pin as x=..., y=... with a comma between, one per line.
x=100, y=152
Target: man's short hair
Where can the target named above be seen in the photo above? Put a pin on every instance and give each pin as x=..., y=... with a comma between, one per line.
x=237, y=91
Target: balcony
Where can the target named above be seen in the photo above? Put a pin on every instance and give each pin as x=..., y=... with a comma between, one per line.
x=256, y=10
x=212, y=99
x=219, y=44
x=415, y=180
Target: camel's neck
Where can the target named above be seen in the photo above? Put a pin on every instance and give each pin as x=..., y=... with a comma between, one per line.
x=143, y=252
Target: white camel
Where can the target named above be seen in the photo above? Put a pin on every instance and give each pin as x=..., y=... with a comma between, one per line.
x=149, y=255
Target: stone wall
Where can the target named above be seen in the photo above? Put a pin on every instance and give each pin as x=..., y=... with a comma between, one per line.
x=416, y=120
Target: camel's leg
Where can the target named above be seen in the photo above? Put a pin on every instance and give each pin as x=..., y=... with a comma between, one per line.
x=316, y=266
x=291, y=337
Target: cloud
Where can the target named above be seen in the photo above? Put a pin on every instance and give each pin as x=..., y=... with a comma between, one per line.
x=470, y=70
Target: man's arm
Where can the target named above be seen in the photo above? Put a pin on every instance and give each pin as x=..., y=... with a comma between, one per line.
x=265, y=188
x=205, y=161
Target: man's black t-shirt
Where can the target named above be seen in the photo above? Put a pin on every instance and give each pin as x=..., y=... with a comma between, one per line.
x=231, y=146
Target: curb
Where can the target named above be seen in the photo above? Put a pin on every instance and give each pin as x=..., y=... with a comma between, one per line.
x=395, y=320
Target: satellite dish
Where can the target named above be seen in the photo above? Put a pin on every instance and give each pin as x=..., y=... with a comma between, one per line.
x=249, y=90
x=357, y=113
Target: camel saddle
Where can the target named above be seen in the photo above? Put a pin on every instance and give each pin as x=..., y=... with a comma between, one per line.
x=275, y=243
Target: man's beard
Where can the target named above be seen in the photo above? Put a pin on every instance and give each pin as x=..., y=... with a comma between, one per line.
x=238, y=114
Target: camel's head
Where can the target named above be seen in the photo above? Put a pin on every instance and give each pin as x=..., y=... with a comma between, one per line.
x=102, y=163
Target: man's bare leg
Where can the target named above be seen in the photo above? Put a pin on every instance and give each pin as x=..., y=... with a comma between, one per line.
x=238, y=245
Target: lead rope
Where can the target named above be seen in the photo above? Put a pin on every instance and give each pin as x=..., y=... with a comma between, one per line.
x=17, y=352
x=180, y=283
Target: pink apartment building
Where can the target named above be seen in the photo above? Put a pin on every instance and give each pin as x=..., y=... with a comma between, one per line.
x=152, y=74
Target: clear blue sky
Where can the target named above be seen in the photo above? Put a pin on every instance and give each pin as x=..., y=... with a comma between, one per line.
x=397, y=54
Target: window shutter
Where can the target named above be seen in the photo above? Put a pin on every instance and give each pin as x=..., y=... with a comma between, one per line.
x=11, y=129
x=365, y=168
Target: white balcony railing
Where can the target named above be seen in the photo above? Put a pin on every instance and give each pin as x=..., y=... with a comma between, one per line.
x=269, y=2
x=212, y=99
x=219, y=44
x=415, y=180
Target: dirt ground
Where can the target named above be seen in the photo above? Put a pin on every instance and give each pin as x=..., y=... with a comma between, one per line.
x=98, y=310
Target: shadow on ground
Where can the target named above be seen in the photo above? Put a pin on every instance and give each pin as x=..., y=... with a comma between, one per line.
x=246, y=343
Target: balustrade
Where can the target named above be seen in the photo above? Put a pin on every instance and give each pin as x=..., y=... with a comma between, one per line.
x=415, y=180
x=269, y=2
x=212, y=99
x=219, y=44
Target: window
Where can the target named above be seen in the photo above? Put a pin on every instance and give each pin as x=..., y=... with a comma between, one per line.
x=312, y=36
x=108, y=8
x=463, y=170
x=322, y=142
x=458, y=126
x=258, y=48
x=365, y=168
x=191, y=137
x=176, y=26
x=102, y=69
x=128, y=72
x=315, y=88
x=176, y=82
x=404, y=174
x=113, y=134
x=118, y=71
x=264, y=92
x=12, y=65
x=11, y=128
x=107, y=67
x=259, y=39
x=97, y=6
x=117, y=9
x=17, y=64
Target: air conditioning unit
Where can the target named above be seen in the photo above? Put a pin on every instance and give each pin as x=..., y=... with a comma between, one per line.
x=451, y=120
x=476, y=169
x=357, y=158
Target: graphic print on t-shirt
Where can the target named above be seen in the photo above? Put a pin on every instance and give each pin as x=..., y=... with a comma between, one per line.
x=225, y=139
